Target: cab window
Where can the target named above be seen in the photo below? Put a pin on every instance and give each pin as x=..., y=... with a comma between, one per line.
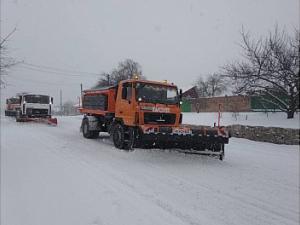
x=127, y=91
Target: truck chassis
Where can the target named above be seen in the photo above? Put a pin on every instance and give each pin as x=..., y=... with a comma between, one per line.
x=205, y=141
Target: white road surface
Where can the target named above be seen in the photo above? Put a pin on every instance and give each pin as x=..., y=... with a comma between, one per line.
x=52, y=175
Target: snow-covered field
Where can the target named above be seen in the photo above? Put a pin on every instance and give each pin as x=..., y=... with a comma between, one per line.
x=269, y=119
x=52, y=175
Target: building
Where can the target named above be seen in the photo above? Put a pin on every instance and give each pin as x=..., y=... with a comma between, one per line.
x=190, y=93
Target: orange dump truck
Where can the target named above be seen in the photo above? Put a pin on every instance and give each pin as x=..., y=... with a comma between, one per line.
x=146, y=114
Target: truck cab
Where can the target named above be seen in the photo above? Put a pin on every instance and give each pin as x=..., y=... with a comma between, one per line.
x=148, y=104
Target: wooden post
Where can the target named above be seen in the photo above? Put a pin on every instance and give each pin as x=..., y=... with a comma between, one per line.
x=219, y=115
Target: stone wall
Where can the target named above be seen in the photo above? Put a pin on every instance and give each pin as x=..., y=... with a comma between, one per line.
x=274, y=135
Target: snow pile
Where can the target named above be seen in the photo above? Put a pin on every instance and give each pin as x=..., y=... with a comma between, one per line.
x=277, y=119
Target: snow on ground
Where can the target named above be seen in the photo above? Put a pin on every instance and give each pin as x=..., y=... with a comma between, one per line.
x=52, y=175
x=269, y=119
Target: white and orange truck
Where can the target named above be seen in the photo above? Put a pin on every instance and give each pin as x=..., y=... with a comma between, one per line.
x=36, y=108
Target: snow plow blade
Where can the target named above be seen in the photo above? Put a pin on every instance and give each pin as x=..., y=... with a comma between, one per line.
x=49, y=121
x=207, y=141
x=52, y=121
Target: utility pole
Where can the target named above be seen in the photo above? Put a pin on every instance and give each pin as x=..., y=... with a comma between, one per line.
x=80, y=98
x=107, y=76
x=108, y=79
x=60, y=97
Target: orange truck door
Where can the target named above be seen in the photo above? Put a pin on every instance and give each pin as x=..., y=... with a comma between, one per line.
x=125, y=104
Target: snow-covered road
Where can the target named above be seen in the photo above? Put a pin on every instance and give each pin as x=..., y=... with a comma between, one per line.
x=52, y=175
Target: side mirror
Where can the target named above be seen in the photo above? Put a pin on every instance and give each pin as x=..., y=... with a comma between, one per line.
x=180, y=94
x=6, y=101
x=51, y=100
x=180, y=97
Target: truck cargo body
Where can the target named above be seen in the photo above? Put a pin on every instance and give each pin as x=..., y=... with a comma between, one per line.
x=12, y=106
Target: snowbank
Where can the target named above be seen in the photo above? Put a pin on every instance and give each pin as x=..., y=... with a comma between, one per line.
x=277, y=119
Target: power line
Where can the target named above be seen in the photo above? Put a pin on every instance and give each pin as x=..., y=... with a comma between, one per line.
x=58, y=69
x=41, y=82
x=48, y=71
x=53, y=72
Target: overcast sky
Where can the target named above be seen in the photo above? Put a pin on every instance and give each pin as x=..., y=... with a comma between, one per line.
x=177, y=40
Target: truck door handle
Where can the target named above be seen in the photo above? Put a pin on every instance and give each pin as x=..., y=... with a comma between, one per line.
x=120, y=111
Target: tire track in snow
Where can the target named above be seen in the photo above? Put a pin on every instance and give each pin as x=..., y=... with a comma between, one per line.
x=126, y=195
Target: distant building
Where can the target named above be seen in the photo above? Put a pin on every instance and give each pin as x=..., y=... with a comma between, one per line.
x=190, y=93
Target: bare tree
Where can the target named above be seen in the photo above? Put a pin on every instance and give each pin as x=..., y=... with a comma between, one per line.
x=5, y=61
x=217, y=85
x=270, y=68
x=125, y=70
x=104, y=81
x=214, y=85
x=202, y=88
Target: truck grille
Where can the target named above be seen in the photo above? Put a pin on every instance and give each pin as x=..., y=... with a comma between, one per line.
x=159, y=118
x=30, y=111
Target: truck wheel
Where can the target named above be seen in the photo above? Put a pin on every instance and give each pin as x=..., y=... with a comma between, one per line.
x=6, y=113
x=222, y=155
x=129, y=139
x=87, y=133
x=118, y=136
x=18, y=116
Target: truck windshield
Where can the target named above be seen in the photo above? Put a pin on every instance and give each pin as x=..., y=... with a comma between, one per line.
x=41, y=99
x=14, y=101
x=156, y=93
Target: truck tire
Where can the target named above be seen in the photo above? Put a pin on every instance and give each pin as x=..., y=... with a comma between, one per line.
x=118, y=136
x=18, y=116
x=222, y=155
x=129, y=136
x=87, y=133
x=123, y=137
x=6, y=113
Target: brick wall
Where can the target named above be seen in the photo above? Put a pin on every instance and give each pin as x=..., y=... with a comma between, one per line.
x=228, y=104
